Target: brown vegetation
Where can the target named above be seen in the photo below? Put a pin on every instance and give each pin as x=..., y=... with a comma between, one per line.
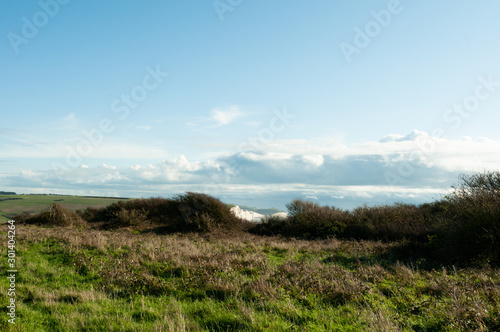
x=280, y=276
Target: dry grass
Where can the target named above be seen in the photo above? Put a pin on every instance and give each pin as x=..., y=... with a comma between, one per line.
x=281, y=276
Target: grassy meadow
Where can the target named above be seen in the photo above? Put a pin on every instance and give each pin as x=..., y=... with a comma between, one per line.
x=92, y=280
x=187, y=264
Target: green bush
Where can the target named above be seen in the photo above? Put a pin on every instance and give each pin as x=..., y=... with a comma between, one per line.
x=471, y=233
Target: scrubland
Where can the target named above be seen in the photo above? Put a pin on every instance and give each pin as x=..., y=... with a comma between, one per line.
x=187, y=264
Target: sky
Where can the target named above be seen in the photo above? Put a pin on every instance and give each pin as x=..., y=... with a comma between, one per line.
x=254, y=102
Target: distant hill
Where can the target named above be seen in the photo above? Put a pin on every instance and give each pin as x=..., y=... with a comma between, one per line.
x=7, y=193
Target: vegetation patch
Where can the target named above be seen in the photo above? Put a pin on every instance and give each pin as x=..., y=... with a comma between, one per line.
x=460, y=229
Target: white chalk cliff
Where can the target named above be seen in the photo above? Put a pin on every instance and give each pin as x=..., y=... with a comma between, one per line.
x=252, y=216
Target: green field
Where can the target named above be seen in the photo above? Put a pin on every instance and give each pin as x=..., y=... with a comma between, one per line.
x=92, y=280
x=11, y=205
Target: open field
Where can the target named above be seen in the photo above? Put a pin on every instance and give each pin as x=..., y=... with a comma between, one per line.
x=93, y=280
x=11, y=205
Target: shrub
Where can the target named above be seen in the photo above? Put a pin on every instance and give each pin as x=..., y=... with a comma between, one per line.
x=384, y=222
x=471, y=233
x=201, y=212
x=22, y=217
x=56, y=215
x=306, y=220
x=316, y=221
x=124, y=217
x=134, y=212
x=186, y=212
x=392, y=222
x=270, y=225
x=462, y=228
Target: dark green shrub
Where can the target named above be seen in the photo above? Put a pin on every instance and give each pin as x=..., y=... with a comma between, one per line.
x=471, y=233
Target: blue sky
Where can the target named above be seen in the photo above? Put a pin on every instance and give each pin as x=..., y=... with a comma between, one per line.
x=255, y=102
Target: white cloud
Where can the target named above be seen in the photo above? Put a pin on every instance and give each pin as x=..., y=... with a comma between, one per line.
x=144, y=127
x=334, y=196
x=401, y=168
x=314, y=160
x=224, y=116
x=107, y=166
x=414, y=135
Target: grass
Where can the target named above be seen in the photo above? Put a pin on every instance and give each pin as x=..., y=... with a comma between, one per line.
x=93, y=280
x=11, y=205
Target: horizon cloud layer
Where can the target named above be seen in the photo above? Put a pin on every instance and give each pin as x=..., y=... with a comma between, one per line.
x=414, y=167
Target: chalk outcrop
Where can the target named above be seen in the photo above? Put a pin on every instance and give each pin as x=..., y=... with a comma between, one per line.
x=251, y=215
x=246, y=215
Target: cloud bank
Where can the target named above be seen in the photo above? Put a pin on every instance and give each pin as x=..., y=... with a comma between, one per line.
x=394, y=168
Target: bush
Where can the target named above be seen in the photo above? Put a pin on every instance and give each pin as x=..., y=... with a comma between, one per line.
x=471, y=233
x=186, y=212
x=392, y=222
x=55, y=215
x=316, y=221
x=385, y=222
x=22, y=218
x=306, y=220
x=201, y=212
x=462, y=229
x=271, y=225
x=138, y=212
x=124, y=217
